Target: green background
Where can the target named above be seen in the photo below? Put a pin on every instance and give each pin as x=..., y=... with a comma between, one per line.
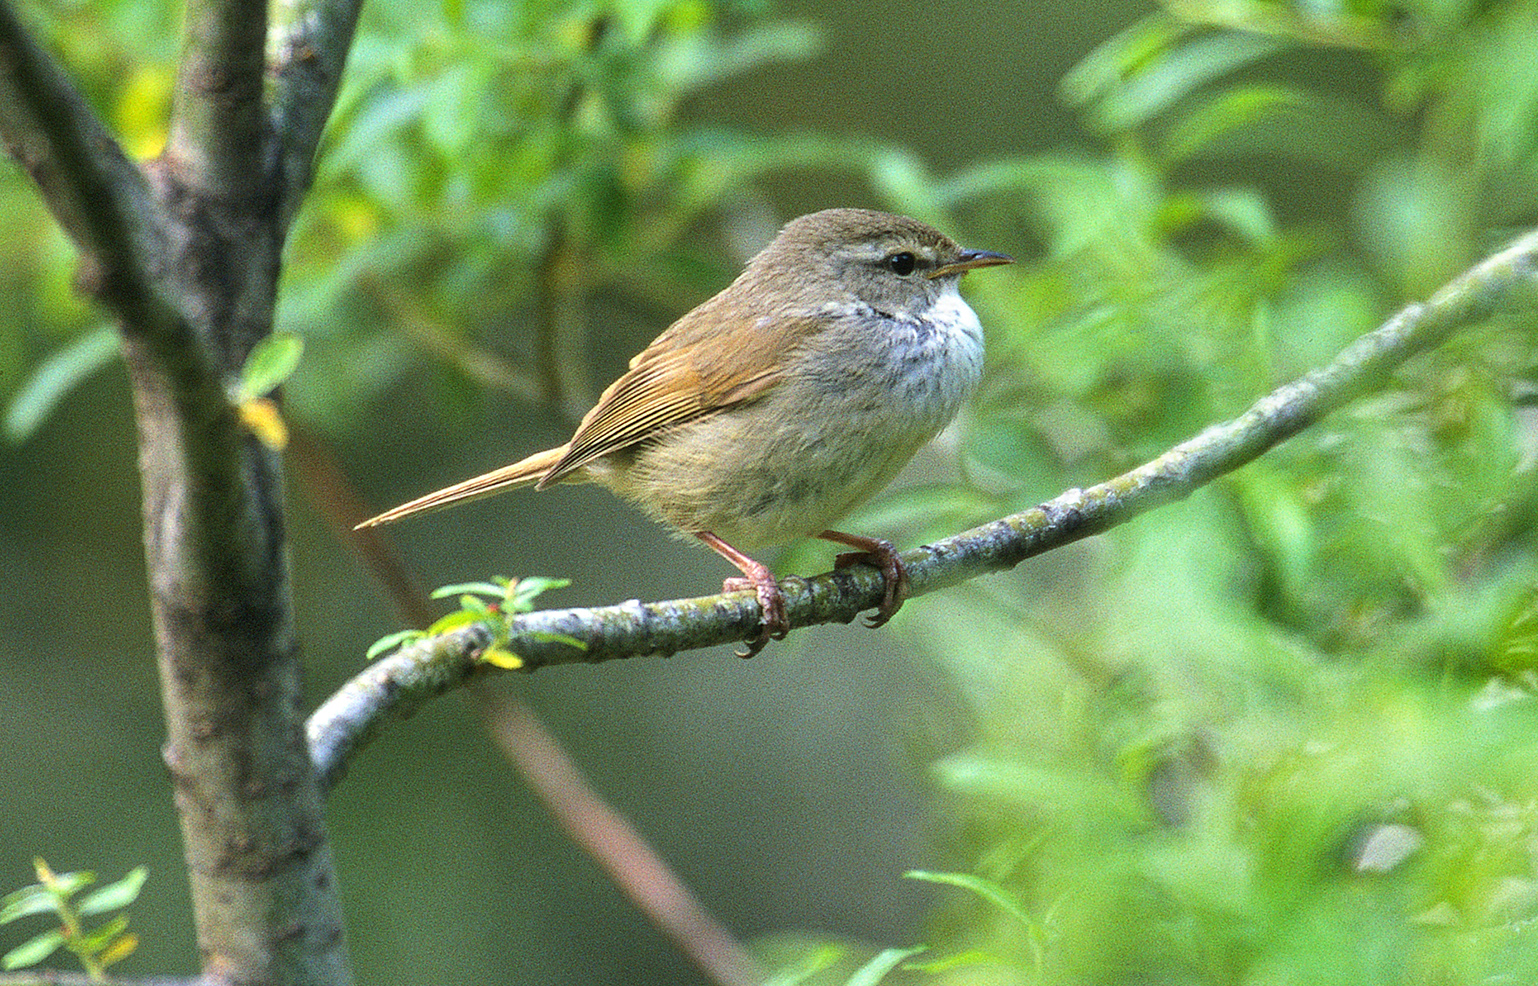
x=1168, y=745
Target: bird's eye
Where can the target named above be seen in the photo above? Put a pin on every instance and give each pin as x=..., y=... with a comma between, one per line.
x=900, y=264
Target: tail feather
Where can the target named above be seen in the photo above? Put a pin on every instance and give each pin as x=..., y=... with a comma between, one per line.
x=520, y=473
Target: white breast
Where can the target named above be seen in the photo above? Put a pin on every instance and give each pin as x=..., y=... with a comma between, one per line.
x=939, y=358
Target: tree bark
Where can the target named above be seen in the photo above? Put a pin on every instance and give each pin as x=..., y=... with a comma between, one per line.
x=185, y=252
x=263, y=885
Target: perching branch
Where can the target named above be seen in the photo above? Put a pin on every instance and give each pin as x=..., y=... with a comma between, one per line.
x=403, y=682
x=594, y=826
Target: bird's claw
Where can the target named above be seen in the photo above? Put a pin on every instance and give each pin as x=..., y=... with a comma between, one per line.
x=881, y=554
x=773, y=623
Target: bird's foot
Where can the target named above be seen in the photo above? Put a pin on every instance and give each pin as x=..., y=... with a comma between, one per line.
x=773, y=623
x=881, y=554
x=771, y=603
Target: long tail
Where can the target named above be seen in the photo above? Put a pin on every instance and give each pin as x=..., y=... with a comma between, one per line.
x=519, y=473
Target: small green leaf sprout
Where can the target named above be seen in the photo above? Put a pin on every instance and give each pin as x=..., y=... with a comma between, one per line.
x=493, y=603
x=96, y=948
x=271, y=362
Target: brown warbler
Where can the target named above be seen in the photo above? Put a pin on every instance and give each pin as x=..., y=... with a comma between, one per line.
x=773, y=409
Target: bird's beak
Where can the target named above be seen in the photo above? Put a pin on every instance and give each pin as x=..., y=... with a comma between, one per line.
x=970, y=259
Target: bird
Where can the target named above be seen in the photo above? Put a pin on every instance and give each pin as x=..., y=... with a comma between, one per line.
x=770, y=411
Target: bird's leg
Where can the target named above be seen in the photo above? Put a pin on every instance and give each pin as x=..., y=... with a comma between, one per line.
x=875, y=551
x=771, y=603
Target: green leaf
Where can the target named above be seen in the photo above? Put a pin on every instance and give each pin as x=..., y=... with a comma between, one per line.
x=475, y=604
x=713, y=163
x=986, y=889
x=55, y=377
x=390, y=641
x=452, y=621
x=1162, y=81
x=876, y=969
x=118, y=950
x=1244, y=211
x=520, y=598
x=905, y=185
x=961, y=960
x=263, y=419
x=1112, y=62
x=1046, y=788
x=475, y=588
x=501, y=657
x=67, y=885
x=119, y=893
x=33, y=951
x=96, y=939
x=28, y=900
x=696, y=62
x=808, y=966
x=452, y=121
x=271, y=362
x=1227, y=112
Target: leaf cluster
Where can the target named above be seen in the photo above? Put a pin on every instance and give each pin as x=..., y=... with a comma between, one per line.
x=55, y=893
x=51, y=337
x=512, y=165
x=1281, y=733
x=492, y=604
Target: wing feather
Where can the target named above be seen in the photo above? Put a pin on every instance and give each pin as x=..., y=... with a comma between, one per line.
x=700, y=366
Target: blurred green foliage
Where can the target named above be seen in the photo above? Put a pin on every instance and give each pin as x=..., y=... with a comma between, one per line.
x=1281, y=733
x=511, y=165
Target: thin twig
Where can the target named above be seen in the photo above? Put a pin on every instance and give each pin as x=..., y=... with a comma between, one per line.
x=48, y=977
x=340, y=506
x=401, y=683
x=560, y=341
x=608, y=837
x=480, y=365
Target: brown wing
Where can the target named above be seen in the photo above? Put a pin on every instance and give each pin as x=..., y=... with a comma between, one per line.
x=701, y=365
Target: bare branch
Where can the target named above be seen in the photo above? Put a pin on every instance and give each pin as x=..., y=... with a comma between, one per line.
x=605, y=835
x=309, y=46
x=401, y=683
x=480, y=365
x=560, y=339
